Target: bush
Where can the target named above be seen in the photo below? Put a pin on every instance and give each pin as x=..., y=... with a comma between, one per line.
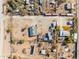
x=20, y=42
x=12, y=41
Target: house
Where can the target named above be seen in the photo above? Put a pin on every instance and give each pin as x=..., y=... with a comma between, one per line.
x=54, y=24
x=48, y=37
x=43, y=51
x=64, y=33
x=71, y=23
x=68, y=7
x=32, y=31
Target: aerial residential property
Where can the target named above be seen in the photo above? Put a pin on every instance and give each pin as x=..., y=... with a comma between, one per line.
x=40, y=38
x=40, y=29
x=40, y=7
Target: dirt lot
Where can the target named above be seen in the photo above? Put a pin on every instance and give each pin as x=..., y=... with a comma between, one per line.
x=18, y=23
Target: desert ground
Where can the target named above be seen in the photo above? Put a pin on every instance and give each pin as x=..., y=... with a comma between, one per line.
x=15, y=24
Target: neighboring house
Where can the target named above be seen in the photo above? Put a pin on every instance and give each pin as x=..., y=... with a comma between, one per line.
x=64, y=33
x=32, y=31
